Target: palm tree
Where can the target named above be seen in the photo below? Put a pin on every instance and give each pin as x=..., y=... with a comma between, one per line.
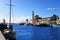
x=27, y=20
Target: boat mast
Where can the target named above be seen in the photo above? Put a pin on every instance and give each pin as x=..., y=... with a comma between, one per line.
x=10, y=12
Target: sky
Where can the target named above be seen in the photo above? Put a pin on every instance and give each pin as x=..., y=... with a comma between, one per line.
x=22, y=9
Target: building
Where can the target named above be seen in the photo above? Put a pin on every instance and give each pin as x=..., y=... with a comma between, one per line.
x=33, y=21
x=53, y=20
x=58, y=21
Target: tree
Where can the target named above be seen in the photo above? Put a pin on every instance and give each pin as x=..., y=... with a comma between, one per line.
x=37, y=17
x=54, y=18
x=27, y=20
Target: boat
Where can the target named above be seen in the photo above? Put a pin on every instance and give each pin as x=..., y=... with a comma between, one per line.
x=7, y=30
x=8, y=33
x=29, y=24
x=21, y=23
x=43, y=25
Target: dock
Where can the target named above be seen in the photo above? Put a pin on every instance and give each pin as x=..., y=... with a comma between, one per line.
x=1, y=36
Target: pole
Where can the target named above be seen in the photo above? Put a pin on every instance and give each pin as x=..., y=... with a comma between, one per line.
x=10, y=26
x=10, y=12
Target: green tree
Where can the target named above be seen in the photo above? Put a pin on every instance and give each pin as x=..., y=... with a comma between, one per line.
x=37, y=17
x=54, y=18
x=27, y=20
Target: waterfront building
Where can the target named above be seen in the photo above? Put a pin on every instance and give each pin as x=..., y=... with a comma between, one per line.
x=58, y=21
x=33, y=21
x=53, y=20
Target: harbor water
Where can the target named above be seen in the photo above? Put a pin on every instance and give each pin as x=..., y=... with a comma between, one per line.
x=37, y=33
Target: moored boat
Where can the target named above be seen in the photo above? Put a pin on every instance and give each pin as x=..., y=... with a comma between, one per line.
x=44, y=25
x=8, y=33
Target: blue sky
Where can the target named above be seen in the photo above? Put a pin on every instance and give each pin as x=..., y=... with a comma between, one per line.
x=22, y=8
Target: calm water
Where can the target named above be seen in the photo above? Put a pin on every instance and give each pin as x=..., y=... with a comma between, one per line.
x=36, y=33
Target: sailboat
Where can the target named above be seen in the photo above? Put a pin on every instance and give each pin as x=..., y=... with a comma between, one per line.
x=8, y=32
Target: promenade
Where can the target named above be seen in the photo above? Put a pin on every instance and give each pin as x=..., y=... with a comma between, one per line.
x=1, y=36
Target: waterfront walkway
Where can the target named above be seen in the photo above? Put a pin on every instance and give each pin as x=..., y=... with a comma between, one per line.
x=1, y=36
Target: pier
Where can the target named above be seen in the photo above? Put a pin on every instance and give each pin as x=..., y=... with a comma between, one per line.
x=1, y=36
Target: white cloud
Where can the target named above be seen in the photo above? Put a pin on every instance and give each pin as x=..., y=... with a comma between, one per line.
x=51, y=9
x=17, y=20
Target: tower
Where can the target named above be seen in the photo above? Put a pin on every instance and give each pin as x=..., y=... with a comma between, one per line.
x=33, y=17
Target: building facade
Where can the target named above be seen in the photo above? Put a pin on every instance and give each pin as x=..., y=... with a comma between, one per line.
x=53, y=20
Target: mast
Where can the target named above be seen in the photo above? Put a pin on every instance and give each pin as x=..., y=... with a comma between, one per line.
x=10, y=12
x=10, y=26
